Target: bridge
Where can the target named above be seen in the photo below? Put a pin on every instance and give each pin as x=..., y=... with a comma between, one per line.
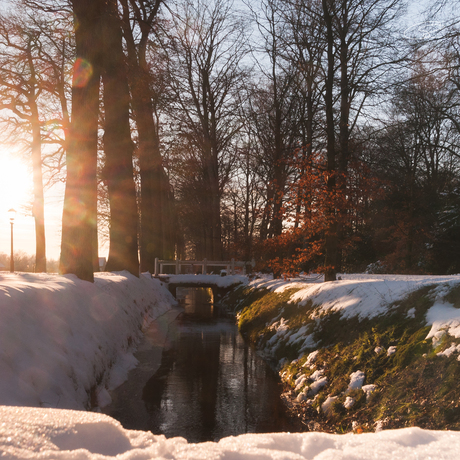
x=220, y=285
x=200, y=266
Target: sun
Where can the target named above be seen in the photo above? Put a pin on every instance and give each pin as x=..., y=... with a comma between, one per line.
x=15, y=183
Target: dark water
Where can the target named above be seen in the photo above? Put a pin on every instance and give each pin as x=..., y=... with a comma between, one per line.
x=210, y=384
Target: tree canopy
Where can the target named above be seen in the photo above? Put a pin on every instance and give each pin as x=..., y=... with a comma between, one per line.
x=310, y=136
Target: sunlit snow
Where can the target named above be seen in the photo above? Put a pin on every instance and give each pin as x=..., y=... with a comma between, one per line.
x=64, y=342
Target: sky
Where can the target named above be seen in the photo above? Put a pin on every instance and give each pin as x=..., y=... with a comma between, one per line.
x=15, y=192
x=60, y=337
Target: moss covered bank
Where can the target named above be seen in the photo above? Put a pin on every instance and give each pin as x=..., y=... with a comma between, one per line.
x=352, y=372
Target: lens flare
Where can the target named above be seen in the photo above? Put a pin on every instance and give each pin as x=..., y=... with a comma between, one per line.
x=82, y=72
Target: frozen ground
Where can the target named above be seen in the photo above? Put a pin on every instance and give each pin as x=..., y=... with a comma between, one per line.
x=64, y=342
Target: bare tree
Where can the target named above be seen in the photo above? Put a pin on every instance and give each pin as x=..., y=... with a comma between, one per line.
x=33, y=64
x=205, y=44
x=416, y=153
x=273, y=109
x=156, y=232
x=358, y=47
x=79, y=222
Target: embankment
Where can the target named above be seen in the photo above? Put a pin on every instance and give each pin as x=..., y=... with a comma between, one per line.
x=361, y=354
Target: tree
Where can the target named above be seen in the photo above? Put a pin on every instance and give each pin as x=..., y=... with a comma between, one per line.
x=156, y=232
x=118, y=147
x=79, y=221
x=305, y=50
x=273, y=109
x=243, y=199
x=20, y=91
x=32, y=90
x=204, y=43
x=416, y=154
x=356, y=33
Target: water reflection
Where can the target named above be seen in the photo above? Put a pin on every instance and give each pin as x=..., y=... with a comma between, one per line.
x=196, y=301
x=210, y=383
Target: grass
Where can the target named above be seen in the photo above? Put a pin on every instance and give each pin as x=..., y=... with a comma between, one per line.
x=414, y=386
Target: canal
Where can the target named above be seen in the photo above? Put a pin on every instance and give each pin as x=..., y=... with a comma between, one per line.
x=210, y=383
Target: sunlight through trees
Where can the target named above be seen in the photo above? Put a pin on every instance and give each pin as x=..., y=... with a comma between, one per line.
x=310, y=136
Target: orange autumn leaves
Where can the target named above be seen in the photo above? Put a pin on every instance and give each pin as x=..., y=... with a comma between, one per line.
x=311, y=208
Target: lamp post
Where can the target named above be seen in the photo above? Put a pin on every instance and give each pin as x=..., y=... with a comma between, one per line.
x=12, y=215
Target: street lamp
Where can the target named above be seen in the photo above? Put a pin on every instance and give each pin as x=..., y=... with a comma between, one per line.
x=12, y=215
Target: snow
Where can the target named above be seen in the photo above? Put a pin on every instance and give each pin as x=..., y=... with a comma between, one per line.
x=311, y=358
x=364, y=296
x=317, y=385
x=391, y=350
x=356, y=380
x=61, y=338
x=349, y=402
x=299, y=383
x=64, y=341
x=443, y=315
x=369, y=389
x=52, y=434
x=326, y=407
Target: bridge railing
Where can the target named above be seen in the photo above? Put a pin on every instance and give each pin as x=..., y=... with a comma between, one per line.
x=204, y=264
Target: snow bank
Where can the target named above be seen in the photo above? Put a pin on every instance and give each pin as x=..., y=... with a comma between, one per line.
x=60, y=336
x=52, y=434
x=362, y=296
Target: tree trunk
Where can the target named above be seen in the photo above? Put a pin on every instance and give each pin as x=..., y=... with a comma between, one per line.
x=155, y=206
x=157, y=234
x=211, y=171
x=211, y=207
x=331, y=231
x=38, y=209
x=123, y=252
x=79, y=221
x=344, y=130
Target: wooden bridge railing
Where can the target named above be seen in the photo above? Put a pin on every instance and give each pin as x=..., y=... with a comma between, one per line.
x=230, y=265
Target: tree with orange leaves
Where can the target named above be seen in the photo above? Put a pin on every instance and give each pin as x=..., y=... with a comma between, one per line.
x=307, y=217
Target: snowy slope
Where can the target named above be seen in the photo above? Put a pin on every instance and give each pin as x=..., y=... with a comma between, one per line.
x=360, y=296
x=60, y=336
x=356, y=295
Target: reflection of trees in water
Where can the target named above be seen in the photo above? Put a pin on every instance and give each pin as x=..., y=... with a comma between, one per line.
x=187, y=377
x=153, y=391
x=211, y=384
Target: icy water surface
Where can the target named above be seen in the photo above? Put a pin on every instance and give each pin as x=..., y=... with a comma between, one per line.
x=210, y=383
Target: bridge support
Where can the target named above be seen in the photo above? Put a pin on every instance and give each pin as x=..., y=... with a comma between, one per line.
x=173, y=289
x=217, y=292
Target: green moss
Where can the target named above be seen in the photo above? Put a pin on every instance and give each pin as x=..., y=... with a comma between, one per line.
x=255, y=319
x=414, y=386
